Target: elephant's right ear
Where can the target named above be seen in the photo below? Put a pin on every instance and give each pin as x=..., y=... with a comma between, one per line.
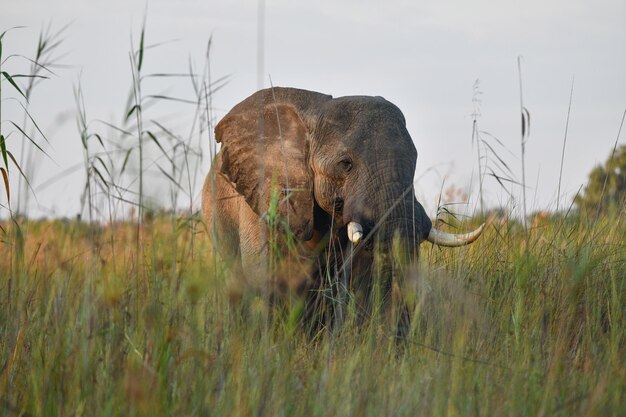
x=264, y=153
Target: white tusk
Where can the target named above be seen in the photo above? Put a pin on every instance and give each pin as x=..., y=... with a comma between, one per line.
x=355, y=232
x=453, y=240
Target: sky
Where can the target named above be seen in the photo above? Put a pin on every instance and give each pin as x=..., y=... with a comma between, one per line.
x=431, y=59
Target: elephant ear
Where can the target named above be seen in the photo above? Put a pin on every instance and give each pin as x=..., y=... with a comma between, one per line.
x=264, y=153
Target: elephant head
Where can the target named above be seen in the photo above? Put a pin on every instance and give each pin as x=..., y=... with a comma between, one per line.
x=337, y=167
x=345, y=164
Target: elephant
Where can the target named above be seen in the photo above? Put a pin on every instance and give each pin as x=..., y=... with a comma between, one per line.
x=328, y=184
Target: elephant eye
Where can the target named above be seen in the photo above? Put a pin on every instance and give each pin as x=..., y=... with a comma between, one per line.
x=346, y=164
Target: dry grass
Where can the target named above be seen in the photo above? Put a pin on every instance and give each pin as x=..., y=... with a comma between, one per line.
x=87, y=330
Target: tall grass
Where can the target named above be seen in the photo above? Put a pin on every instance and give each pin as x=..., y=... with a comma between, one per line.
x=569, y=109
x=19, y=97
x=525, y=132
x=535, y=330
x=529, y=320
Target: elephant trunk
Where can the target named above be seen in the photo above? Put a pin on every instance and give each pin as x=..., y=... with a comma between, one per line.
x=399, y=238
x=395, y=249
x=400, y=223
x=388, y=225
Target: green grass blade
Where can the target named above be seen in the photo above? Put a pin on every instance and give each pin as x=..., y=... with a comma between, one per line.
x=126, y=160
x=170, y=75
x=97, y=136
x=34, y=123
x=504, y=164
x=13, y=83
x=83, y=139
x=104, y=182
x=19, y=168
x=5, y=176
x=97, y=158
x=30, y=76
x=112, y=126
x=10, y=29
x=155, y=140
x=136, y=107
x=140, y=63
x=29, y=138
x=3, y=150
x=32, y=61
x=165, y=130
x=171, y=179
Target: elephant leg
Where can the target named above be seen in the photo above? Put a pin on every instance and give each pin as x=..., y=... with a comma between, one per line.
x=221, y=206
x=401, y=317
x=253, y=250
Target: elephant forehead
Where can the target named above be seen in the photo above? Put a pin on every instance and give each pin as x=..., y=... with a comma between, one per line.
x=348, y=110
x=377, y=138
x=360, y=118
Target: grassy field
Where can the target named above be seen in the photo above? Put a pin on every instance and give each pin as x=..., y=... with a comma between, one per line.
x=94, y=321
x=131, y=319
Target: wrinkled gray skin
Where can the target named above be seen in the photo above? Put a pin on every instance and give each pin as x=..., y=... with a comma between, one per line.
x=332, y=161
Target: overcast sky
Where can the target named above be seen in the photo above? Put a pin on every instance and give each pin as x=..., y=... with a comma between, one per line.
x=423, y=56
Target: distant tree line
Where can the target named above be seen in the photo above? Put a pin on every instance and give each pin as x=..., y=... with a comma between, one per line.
x=606, y=187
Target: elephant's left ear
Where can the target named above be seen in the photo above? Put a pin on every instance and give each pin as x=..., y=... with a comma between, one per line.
x=264, y=153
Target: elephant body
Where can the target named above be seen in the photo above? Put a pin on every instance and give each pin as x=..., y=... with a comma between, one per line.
x=295, y=169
